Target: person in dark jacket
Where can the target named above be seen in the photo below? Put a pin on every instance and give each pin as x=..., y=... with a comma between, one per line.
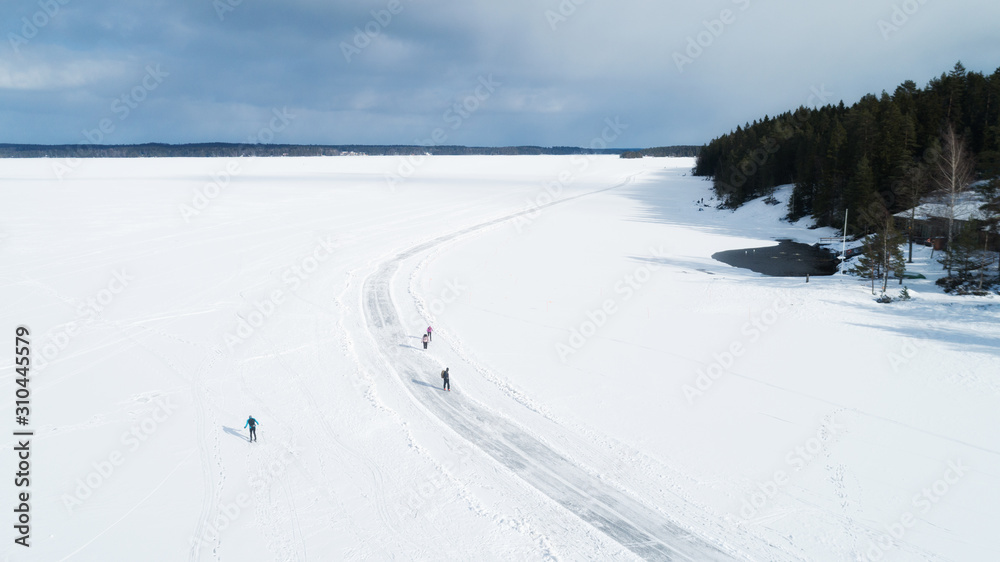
x=447, y=380
x=253, y=428
x=425, y=340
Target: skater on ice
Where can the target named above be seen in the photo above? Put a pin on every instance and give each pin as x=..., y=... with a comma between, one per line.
x=447, y=383
x=430, y=336
x=253, y=428
x=426, y=339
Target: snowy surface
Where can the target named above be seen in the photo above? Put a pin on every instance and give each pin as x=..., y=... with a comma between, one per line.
x=617, y=394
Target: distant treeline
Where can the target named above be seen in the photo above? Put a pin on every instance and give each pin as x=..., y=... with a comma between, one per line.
x=852, y=157
x=664, y=151
x=215, y=149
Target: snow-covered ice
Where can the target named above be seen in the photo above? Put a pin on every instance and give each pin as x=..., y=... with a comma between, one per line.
x=617, y=394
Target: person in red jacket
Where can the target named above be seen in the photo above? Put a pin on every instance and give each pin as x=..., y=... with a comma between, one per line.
x=430, y=335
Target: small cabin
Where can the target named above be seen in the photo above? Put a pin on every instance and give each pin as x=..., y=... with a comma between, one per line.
x=930, y=221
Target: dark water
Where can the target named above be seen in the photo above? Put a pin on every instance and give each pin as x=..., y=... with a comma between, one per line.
x=787, y=259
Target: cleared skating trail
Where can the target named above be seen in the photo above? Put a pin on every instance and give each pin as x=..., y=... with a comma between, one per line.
x=627, y=521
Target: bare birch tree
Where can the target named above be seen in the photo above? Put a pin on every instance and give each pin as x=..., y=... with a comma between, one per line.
x=953, y=176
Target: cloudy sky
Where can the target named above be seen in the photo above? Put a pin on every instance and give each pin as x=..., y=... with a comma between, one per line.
x=472, y=72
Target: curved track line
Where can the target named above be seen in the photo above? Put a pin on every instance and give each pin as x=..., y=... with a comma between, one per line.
x=625, y=520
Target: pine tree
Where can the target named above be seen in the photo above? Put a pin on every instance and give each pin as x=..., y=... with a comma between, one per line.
x=859, y=193
x=821, y=149
x=955, y=87
x=883, y=254
x=895, y=261
x=867, y=265
x=911, y=189
x=964, y=255
x=990, y=211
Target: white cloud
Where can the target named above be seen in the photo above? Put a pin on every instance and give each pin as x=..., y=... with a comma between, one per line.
x=55, y=73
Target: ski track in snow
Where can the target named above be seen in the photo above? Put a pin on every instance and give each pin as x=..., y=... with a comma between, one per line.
x=364, y=381
x=625, y=520
x=624, y=467
x=206, y=421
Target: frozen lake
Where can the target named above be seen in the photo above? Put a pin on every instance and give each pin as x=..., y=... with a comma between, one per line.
x=617, y=393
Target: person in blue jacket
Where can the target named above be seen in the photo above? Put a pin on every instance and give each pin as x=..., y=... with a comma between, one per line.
x=253, y=428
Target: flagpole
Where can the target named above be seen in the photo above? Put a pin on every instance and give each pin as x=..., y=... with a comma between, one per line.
x=843, y=247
